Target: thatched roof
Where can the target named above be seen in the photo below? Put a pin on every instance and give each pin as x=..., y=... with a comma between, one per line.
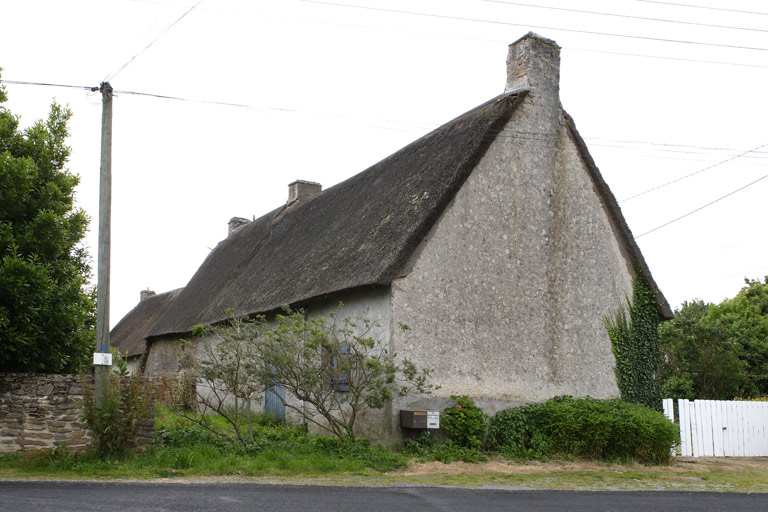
x=358, y=233
x=129, y=333
x=361, y=232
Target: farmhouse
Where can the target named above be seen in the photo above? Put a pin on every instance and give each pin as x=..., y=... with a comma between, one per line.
x=494, y=238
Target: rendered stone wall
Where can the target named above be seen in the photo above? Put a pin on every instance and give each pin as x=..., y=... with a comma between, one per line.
x=163, y=357
x=43, y=411
x=508, y=295
x=507, y=302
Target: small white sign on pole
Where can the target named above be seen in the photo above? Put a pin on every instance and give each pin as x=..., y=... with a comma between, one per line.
x=102, y=359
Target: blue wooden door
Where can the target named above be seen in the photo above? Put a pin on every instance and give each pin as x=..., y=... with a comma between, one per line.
x=272, y=402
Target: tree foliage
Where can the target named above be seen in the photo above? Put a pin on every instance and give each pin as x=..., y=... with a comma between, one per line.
x=47, y=313
x=635, y=342
x=718, y=351
x=331, y=368
x=222, y=371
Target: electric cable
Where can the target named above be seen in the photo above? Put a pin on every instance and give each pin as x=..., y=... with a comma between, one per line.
x=693, y=173
x=19, y=82
x=165, y=31
x=702, y=207
x=627, y=16
x=590, y=32
x=703, y=7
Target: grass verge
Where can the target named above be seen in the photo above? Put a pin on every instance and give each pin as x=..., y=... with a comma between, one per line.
x=281, y=454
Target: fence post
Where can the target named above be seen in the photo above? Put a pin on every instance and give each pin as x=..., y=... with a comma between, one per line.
x=685, y=427
x=669, y=411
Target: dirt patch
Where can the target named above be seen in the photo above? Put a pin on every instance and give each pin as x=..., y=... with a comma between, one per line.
x=504, y=467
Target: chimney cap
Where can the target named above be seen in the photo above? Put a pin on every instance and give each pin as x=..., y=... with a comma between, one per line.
x=534, y=35
x=236, y=223
x=145, y=294
x=302, y=189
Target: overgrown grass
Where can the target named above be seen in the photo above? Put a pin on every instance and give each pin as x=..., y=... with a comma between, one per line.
x=186, y=449
x=288, y=455
x=427, y=448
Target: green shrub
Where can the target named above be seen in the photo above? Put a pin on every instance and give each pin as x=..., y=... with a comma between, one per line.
x=465, y=422
x=612, y=430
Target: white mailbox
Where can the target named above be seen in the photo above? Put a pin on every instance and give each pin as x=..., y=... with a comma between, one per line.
x=433, y=419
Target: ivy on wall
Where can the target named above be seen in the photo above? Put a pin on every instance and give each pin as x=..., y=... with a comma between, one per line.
x=635, y=343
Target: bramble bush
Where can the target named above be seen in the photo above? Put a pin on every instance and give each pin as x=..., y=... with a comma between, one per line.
x=612, y=430
x=114, y=425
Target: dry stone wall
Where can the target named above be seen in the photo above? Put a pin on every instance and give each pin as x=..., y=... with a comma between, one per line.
x=42, y=411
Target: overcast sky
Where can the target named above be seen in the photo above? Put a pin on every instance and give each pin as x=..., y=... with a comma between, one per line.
x=659, y=90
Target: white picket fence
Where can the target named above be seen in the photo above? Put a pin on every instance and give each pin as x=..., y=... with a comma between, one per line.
x=717, y=428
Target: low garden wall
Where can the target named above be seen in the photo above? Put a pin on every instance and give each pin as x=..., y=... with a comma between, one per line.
x=42, y=411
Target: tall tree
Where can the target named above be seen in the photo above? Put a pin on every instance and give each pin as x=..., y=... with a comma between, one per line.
x=47, y=312
x=717, y=351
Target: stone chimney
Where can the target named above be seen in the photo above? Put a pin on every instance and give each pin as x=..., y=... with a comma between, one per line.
x=533, y=63
x=301, y=189
x=236, y=223
x=145, y=294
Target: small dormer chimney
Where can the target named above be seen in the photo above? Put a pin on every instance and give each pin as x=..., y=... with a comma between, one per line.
x=236, y=223
x=301, y=189
x=145, y=294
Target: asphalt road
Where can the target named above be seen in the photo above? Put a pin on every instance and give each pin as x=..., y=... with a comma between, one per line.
x=25, y=496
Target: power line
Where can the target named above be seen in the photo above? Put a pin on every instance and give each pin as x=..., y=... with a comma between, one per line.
x=410, y=126
x=627, y=16
x=694, y=173
x=702, y=207
x=165, y=31
x=666, y=144
x=453, y=36
x=664, y=57
x=210, y=102
x=18, y=82
x=704, y=7
x=459, y=18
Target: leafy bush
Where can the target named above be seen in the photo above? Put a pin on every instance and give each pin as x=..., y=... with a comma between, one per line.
x=717, y=351
x=588, y=428
x=465, y=422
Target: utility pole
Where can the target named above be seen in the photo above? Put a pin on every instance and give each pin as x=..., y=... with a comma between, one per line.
x=102, y=358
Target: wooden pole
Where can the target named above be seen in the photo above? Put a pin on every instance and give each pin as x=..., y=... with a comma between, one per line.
x=102, y=371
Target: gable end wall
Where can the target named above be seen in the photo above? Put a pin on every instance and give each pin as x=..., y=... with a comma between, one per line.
x=508, y=295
